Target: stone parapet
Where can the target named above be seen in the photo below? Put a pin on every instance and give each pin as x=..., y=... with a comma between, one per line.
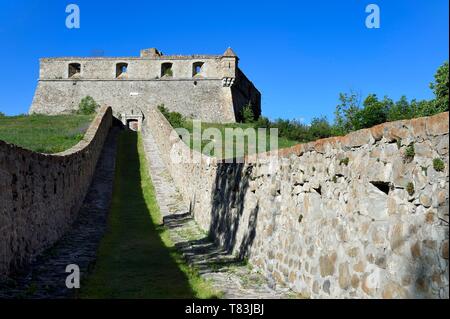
x=40, y=194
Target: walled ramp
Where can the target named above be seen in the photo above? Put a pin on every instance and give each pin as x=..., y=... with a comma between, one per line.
x=41, y=194
x=45, y=277
x=224, y=271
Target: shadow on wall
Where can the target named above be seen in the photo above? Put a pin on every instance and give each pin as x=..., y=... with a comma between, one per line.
x=219, y=248
x=227, y=207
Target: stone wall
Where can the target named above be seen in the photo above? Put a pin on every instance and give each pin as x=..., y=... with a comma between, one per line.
x=40, y=194
x=206, y=99
x=344, y=217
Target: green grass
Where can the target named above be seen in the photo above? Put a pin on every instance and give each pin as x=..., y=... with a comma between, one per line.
x=231, y=147
x=136, y=258
x=44, y=133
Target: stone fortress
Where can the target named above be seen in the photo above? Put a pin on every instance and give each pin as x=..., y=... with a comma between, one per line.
x=208, y=87
x=343, y=217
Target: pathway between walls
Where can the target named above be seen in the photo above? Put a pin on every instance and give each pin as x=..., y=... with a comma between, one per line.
x=45, y=277
x=225, y=272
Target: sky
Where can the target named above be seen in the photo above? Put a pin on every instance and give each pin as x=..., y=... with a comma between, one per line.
x=299, y=54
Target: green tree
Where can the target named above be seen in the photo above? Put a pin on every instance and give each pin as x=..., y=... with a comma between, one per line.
x=401, y=110
x=247, y=114
x=347, y=113
x=262, y=122
x=374, y=111
x=320, y=128
x=440, y=87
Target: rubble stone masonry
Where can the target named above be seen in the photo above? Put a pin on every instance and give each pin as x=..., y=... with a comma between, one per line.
x=363, y=215
x=40, y=194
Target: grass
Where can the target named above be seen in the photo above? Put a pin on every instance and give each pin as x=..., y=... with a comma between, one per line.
x=44, y=133
x=136, y=258
x=230, y=148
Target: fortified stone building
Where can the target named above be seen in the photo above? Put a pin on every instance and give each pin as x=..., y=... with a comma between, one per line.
x=207, y=87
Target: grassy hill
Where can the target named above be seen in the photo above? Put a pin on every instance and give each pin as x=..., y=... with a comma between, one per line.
x=44, y=133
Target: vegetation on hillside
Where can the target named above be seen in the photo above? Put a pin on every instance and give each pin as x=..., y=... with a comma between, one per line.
x=44, y=133
x=350, y=115
x=136, y=258
x=177, y=120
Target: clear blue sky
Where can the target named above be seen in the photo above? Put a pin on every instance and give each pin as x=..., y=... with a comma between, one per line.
x=300, y=54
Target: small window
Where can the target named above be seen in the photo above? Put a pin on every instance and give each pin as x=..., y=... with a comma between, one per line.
x=166, y=70
x=197, y=68
x=74, y=70
x=121, y=70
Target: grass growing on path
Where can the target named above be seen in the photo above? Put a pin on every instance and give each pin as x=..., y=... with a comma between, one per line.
x=136, y=258
x=44, y=133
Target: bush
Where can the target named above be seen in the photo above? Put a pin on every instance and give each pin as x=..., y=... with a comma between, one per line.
x=262, y=122
x=247, y=115
x=163, y=110
x=438, y=165
x=410, y=189
x=292, y=130
x=344, y=161
x=320, y=128
x=410, y=152
x=2, y=114
x=175, y=119
x=87, y=106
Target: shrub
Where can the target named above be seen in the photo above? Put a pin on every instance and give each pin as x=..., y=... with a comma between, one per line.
x=163, y=109
x=410, y=188
x=320, y=128
x=410, y=152
x=247, y=114
x=175, y=119
x=292, y=130
x=87, y=106
x=262, y=122
x=438, y=165
x=344, y=161
x=2, y=114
